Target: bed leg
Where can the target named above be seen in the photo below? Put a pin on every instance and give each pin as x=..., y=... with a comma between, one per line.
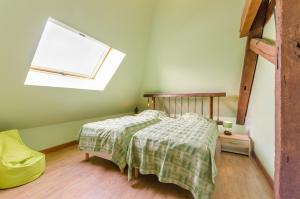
x=136, y=173
x=87, y=156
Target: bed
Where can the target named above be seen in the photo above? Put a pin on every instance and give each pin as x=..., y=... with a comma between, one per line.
x=179, y=151
x=109, y=139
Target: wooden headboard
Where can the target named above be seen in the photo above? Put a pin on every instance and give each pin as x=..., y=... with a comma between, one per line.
x=163, y=101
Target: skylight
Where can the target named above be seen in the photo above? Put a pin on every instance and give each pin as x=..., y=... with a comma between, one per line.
x=68, y=58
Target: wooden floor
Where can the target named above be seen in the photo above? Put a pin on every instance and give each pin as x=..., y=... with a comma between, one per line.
x=69, y=176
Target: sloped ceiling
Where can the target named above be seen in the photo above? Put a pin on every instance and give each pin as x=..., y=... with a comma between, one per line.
x=122, y=24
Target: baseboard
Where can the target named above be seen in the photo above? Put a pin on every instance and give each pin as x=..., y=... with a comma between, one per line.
x=58, y=147
x=264, y=171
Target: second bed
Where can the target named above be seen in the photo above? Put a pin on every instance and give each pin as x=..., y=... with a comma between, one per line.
x=179, y=151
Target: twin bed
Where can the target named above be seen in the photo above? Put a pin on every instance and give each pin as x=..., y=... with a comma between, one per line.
x=178, y=149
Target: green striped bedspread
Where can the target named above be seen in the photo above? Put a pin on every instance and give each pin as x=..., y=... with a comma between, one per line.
x=112, y=136
x=177, y=151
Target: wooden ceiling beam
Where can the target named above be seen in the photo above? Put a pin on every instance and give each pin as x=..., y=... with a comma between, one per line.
x=264, y=48
x=287, y=95
x=250, y=61
x=250, y=11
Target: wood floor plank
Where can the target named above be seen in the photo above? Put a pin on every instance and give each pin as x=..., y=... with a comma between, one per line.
x=69, y=176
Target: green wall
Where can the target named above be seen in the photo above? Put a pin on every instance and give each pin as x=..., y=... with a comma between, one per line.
x=44, y=137
x=195, y=46
x=261, y=112
x=124, y=25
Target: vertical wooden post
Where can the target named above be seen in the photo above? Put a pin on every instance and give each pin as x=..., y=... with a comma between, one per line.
x=202, y=111
x=153, y=100
x=211, y=107
x=287, y=167
x=250, y=61
x=180, y=105
x=169, y=106
x=87, y=156
x=148, y=105
x=188, y=99
x=218, y=118
x=136, y=173
x=164, y=104
x=195, y=105
x=175, y=107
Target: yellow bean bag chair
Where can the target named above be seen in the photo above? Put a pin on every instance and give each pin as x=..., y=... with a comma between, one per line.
x=18, y=163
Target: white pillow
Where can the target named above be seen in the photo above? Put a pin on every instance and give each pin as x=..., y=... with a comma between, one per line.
x=192, y=116
x=152, y=113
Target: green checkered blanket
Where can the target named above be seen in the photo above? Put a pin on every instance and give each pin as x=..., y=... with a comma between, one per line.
x=112, y=136
x=178, y=151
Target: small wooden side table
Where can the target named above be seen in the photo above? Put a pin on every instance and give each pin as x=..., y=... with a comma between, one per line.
x=236, y=143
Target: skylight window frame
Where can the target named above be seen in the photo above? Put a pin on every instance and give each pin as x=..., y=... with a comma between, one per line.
x=49, y=70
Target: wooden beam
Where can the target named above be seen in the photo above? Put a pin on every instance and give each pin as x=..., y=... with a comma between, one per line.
x=287, y=100
x=270, y=10
x=264, y=48
x=221, y=94
x=250, y=61
x=250, y=11
x=211, y=107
